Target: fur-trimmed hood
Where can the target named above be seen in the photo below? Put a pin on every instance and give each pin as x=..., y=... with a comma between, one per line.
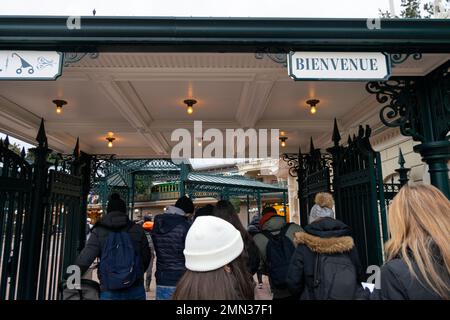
x=326, y=235
x=324, y=245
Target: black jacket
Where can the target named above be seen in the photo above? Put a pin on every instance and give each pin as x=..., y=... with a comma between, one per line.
x=113, y=221
x=169, y=234
x=397, y=283
x=326, y=236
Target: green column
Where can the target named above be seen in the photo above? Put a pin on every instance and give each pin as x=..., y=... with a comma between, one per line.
x=183, y=177
x=437, y=155
x=259, y=203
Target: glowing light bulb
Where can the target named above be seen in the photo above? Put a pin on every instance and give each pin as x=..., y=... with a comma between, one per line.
x=58, y=109
x=283, y=143
x=313, y=110
x=110, y=144
x=190, y=110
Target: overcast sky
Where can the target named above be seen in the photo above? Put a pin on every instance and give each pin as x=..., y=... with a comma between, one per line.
x=201, y=8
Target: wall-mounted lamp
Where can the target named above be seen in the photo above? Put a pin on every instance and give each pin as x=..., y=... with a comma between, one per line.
x=312, y=104
x=283, y=141
x=110, y=138
x=190, y=105
x=59, y=104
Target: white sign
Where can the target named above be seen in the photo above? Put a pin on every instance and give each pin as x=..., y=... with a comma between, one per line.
x=338, y=65
x=30, y=65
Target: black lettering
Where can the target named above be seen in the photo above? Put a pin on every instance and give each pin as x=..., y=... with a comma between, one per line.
x=373, y=64
x=323, y=64
x=364, y=67
x=354, y=64
x=300, y=64
x=344, y=64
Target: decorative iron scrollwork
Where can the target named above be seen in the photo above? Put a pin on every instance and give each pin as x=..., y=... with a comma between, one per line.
x=292, y=162
x=402, y=104
x=73, y=57
x=280, y=58
x=397, y=58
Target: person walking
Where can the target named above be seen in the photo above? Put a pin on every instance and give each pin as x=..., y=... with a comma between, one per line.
x=168, y=235
x=276, y=245
x=325, y=264
x=253, y=228
x=418, y=253
x=148, y=227
x=124, y=254
x=216, y=268
x=224, y=209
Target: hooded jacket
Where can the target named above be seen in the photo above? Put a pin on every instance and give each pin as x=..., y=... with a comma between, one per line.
x=325, y=236
x=169, y=234
x=113, y=221
x=274, y=225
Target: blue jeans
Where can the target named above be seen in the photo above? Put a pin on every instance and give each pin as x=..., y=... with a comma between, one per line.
x=164, y=292
x=136, y=292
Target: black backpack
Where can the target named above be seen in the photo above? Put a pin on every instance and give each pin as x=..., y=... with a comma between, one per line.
x=335, y=278
x=279, y=251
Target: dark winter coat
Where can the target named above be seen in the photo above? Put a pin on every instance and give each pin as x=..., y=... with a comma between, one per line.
x=325, y=236
x=397, y=283
x=169, y=234
x=113, y=221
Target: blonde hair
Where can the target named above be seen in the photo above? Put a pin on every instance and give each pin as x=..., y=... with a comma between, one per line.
x=324, y=200
x=419, y=222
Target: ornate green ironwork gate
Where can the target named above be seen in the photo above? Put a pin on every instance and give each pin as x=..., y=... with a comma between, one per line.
x=359, y=194
x=353, y=174
x=15, y=202
x=42, y=220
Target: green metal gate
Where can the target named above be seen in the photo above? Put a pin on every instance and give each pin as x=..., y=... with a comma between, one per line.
x=353, y=174
x=42, y=219
x=359, y=195
x=15, y=202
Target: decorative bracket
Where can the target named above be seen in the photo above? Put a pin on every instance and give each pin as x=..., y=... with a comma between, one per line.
x=398, y=58
x=280, y=58
x=73, y=57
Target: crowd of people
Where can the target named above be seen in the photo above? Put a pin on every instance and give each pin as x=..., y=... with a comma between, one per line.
x=207, y=253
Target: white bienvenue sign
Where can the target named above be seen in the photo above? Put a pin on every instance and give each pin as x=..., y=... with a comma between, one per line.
x=30, y=65
x=338, y=65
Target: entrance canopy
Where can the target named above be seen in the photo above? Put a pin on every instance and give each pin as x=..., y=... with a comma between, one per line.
x=139, y=97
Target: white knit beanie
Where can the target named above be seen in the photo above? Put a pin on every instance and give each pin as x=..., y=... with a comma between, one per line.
x=211, y=243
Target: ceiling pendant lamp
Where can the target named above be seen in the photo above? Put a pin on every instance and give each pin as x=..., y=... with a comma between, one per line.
x=312, y=104
x=110, y=138
x=59, y=104
x=190, y=105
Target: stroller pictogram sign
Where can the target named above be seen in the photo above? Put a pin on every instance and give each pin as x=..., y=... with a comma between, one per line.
x=30, y=65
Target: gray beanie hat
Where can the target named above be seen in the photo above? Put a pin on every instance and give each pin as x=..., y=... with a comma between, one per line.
x=320, y=212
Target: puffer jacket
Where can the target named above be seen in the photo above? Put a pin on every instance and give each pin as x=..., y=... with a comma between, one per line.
x=113, y=221
x=274, y=225
x=325, y=236
x=169, y=234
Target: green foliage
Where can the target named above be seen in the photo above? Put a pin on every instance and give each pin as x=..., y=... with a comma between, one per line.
x=142, y=185
x=410, y=9
x=236, y=202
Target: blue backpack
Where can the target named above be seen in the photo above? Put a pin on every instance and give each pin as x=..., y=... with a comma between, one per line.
x=279, y=251
x=120, y=262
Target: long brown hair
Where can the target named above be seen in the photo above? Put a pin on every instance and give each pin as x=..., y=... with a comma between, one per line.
x=419, y=221
x=218, y=284
x=224, y=209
